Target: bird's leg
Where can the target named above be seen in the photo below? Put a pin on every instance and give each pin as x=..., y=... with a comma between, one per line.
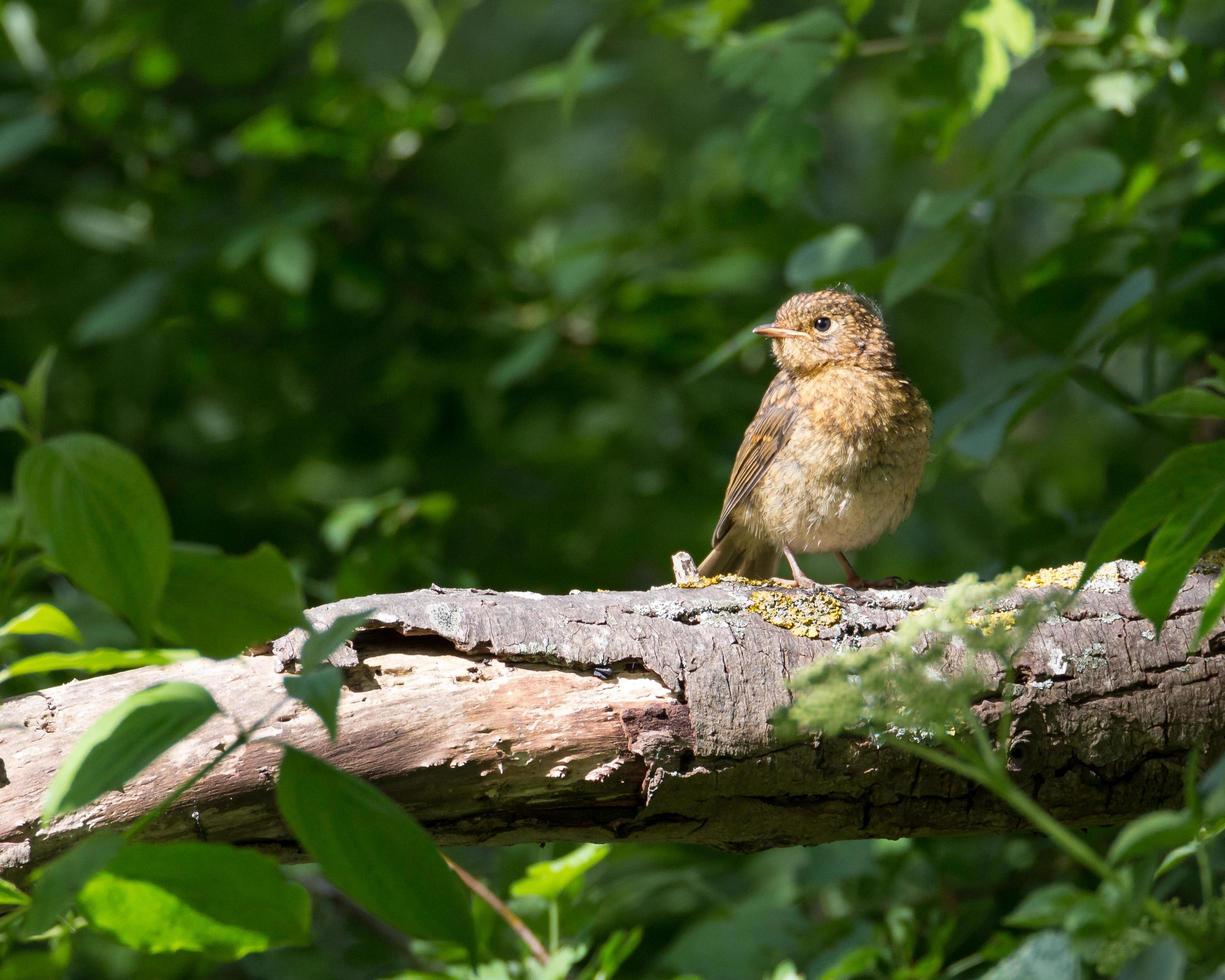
x=801, y=580
x=853, y=578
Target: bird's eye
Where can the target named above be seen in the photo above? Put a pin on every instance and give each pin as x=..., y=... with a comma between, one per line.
x=822, y=323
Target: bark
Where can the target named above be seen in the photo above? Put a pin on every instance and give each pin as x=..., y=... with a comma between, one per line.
x=488, y=715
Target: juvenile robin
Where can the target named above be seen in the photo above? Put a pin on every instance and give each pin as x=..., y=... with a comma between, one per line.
x=833, y=458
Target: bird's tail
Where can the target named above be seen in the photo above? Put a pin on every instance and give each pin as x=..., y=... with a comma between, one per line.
x=740, y=553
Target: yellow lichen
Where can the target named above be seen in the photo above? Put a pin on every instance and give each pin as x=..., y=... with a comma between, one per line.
x=704, y=580
x=1063, y=576
x=987, y=622
x=1211, y=561
x=803, y=614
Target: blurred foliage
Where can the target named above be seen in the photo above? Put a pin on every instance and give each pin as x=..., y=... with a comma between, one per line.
x=445, y=290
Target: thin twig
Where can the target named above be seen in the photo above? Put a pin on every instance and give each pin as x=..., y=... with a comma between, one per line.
x=481, y=891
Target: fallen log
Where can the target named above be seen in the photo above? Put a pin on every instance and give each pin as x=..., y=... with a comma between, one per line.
x=507, y=717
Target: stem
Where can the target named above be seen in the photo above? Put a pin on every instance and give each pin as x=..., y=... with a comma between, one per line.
x=1205, y=873
x=482, y=891
x=554, y=926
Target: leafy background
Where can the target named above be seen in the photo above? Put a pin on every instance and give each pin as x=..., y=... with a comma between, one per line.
x=421, y=291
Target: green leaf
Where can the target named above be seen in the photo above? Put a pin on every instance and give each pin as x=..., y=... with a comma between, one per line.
x=1135, y=288
x=124, y=740
x=1047, y=906
x=94, y=508
x=1049, y=955
x=320, y=691
x=372, y=850
x=1175, y=549
x=548, y=879
x=214, y=899
x=1079, y=173
x=322, y=643
x=784, y=60
x=222, y=604
x=920, y=261
x=42, y=619
x=1004, y=27
x=10, y=894
x=289, y=261
x=1184, y=473
x=122, y=312
x=57, y=884
x=94, y=661
x=10, y=414
x=1187, y=403
x=21, y=137
x=827, y=256
x=34, y=392
x=1163, y=960
x=1161, y=830
x=1213, y=609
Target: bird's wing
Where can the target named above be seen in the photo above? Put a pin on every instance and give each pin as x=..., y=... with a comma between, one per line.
x=762, y=440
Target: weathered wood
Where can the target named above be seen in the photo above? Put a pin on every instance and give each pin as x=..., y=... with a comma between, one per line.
x=482, y=712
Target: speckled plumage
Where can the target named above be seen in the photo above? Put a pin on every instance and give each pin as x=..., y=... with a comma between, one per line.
x=834, y=456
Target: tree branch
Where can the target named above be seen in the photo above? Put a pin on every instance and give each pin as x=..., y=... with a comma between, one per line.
x=482, y=713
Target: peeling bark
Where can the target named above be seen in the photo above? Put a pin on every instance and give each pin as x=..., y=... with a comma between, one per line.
x=493, y=717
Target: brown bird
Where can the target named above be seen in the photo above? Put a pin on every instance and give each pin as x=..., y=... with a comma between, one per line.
x=833, y=458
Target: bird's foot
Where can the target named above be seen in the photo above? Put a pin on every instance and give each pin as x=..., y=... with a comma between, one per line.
x=799, y=582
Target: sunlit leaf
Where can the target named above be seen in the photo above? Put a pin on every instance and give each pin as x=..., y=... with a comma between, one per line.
x=93, y=506
x=57, y=884
x=10, y=894
x=548, y=879
x=289, y=261
x=215, y=899
x=372, y=850
x=1189, y=403
x=124, y=741
x=93, y=661
x=320, y=691
x=42, y=619
x=1004, y=27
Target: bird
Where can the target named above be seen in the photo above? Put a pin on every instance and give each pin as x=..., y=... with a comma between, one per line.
x=834, y=456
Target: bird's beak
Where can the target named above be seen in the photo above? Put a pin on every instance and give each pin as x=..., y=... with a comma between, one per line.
x=776, y=332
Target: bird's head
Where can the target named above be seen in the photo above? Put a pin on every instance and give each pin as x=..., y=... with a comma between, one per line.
x=814, y=330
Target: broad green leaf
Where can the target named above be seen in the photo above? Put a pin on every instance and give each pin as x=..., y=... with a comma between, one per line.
x=1184, y=473
x=827, y=256
x=1079, y=173
x=93, y=661
x=372, y=850
x=10, y=894
x=94, y=508
x=322, y=643
x=933, y=210
x=320, y=691
x=1188, y=403
x=124, y=311
x=548, y=879
x=1161, y=830
x=1175, y=549
x=1136, y=287
x=42, y=619
x=921, y=261
x=222, y=604
x=289, y=261
x=1004, y=27
x=124, y=740
x=206, y=898
x=57, y=884
x=1049, y=955
x=21, y=137
x=1047, y=906
x=1213, y=609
